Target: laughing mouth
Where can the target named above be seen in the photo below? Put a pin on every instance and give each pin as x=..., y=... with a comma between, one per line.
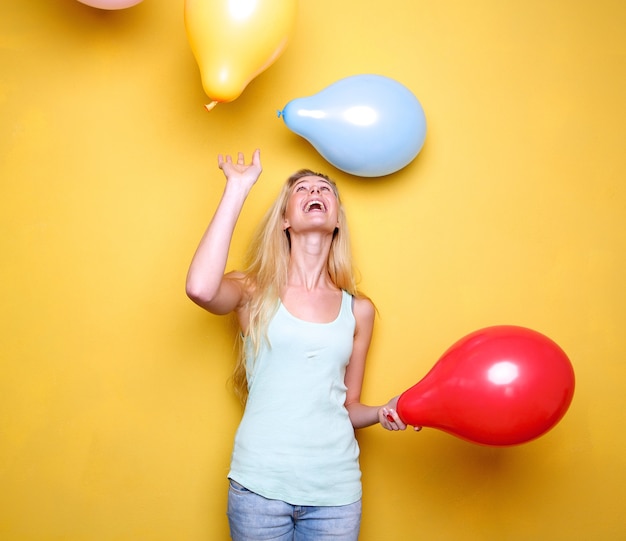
x=315, y=205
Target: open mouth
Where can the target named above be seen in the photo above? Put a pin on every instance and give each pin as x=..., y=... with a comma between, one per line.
x=315, y=205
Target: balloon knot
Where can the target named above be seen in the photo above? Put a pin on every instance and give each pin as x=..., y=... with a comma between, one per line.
x=279, y=113
x=210, y=106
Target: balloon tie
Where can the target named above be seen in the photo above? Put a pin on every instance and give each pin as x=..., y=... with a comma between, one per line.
x=210, y=106
x=279, y=113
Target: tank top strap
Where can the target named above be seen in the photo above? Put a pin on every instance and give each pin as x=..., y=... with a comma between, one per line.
x=347, y=304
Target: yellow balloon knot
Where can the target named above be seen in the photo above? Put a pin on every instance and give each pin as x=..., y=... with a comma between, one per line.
x=210, y=106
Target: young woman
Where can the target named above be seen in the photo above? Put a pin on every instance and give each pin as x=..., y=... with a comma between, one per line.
x=306, y=331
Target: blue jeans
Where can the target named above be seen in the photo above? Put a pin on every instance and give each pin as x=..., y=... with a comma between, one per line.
x=254, y=518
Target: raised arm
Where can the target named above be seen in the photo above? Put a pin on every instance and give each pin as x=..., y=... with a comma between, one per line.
x=207, y=285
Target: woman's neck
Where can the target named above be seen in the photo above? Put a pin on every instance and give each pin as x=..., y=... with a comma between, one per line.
x=308, y=262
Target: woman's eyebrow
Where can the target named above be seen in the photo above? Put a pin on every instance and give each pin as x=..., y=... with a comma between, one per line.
x=301, y=181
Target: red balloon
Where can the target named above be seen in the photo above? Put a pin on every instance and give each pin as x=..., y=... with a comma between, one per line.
x=501, y=385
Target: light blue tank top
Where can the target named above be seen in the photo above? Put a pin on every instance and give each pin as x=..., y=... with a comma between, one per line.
x=295, y=442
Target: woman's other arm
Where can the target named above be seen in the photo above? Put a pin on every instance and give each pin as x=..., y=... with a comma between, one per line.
x=363, y=415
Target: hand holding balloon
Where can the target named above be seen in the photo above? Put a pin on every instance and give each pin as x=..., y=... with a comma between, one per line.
x=389, y=418
x=502, y=385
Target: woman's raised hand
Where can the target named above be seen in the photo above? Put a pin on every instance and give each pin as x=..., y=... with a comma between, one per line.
x=240, y=172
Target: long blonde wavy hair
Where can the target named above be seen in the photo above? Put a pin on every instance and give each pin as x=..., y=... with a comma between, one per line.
x=266, y=270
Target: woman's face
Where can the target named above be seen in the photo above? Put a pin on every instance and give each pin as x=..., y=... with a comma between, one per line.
x=312, y=206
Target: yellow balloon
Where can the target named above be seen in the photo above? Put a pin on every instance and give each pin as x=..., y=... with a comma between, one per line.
x=235, y=40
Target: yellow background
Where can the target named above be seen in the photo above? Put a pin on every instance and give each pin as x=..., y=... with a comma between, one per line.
x=116, y=419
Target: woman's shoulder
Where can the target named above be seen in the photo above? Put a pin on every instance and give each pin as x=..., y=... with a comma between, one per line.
x=363, y=307
x=243, y=282
x=235, y=275
x=238, y=278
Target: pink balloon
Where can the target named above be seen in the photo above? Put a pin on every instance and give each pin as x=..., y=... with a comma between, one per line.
x=110, y=4
x=501, y=385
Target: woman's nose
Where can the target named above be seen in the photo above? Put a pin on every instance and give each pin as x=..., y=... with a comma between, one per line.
x=315, y=189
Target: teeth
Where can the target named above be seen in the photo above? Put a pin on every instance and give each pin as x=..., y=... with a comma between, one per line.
x=310, y=204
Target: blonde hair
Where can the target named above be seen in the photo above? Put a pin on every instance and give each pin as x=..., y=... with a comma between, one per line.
x=266, y=270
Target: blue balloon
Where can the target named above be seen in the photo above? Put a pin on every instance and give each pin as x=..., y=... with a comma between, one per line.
x=365, y=125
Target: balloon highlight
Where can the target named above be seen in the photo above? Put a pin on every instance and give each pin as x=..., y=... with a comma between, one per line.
x=502, y=385
x=365, y=125
x=233, y=41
